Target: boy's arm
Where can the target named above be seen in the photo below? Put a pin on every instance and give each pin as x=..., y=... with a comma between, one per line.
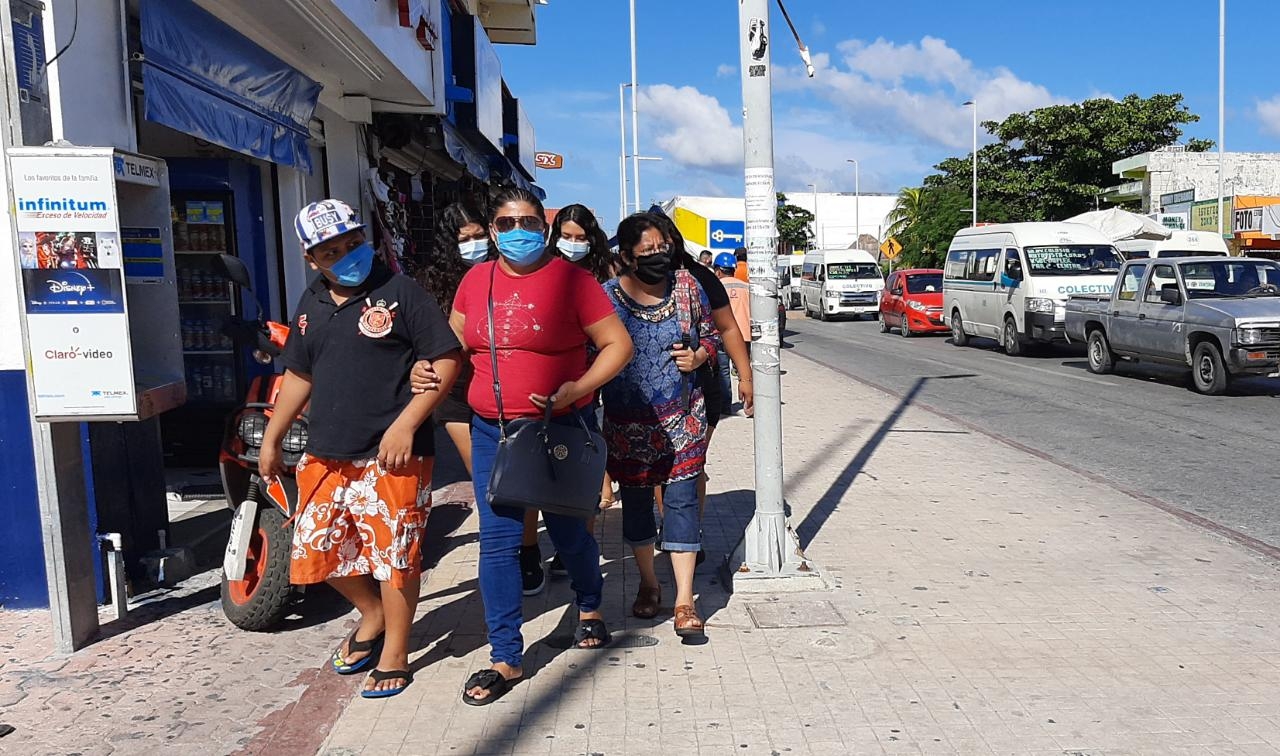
x=396, y=448
x=295, y=390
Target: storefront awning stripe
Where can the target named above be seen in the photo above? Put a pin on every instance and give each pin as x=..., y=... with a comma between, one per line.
x=202, y=77
x=463, y=153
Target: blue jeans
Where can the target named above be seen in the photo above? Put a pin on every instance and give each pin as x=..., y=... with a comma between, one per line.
x=726, y=384
x=681, y=520
x=501, y=530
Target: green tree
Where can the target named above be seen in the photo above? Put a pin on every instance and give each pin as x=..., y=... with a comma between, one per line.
x=906, y=211
x=795, y=226
x=942, y=212
x=1052, y=163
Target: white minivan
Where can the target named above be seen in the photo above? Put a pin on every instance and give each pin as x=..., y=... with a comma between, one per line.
x=1181, y=244
x=1010, y=282
x=789, y=273
x=836, y=282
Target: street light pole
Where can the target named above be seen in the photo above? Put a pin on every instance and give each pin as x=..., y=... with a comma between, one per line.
x=816, y=237
x=769, y=549
x=1222, y=107
x=635, y=114
x=622, y=154
x=974, y=209
x=857, y=207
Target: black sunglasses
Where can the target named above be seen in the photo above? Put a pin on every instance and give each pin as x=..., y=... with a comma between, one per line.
x=527, y=222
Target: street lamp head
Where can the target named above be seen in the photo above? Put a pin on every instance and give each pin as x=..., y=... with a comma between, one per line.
x=968, y=102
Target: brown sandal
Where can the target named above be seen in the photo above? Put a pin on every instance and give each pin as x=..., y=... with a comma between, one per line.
x=647, y=602
x=688, y=623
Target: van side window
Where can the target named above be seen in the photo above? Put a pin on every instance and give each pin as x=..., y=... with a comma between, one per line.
x=1011, y=260
x=982, y=266
x=808, y=274
x=1132, y=281
x=957, y=262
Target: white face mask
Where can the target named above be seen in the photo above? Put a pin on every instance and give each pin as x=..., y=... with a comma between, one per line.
x=575, y=251
x=474, y=251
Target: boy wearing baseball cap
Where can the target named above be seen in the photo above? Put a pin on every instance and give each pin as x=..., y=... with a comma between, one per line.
x=364, y=481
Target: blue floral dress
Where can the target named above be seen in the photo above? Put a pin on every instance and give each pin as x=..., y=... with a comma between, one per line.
x=655, y=417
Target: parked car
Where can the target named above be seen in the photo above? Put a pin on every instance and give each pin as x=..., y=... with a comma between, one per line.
x=838, y=282
x=1218, y=315
x=1011, y=281
x=912, y=302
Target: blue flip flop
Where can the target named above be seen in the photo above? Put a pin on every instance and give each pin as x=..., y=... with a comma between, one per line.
x=373, y=646
x=378, y=676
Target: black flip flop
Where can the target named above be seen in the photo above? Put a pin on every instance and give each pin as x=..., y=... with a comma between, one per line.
x=378, y=676
x=490, y=680
x=591, y=629
x=373, y=646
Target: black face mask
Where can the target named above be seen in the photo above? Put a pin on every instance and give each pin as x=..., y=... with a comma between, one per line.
x=653, y=269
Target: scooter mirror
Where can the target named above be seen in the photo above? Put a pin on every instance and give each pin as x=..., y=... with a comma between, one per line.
x=234, y=270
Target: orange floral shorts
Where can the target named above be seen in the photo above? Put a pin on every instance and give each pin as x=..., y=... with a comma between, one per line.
x=358, y=519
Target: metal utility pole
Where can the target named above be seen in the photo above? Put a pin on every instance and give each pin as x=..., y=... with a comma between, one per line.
x=770, y=548
x=857, y=207
x=1222, y=108
x=635, y=114
x=817, y=237
x=974, y=209
x=622, y=153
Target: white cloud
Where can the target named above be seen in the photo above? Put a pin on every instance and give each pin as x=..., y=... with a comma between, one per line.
x=725, y=70
x=914, y=89
x=1269, y=115
x=693, y=128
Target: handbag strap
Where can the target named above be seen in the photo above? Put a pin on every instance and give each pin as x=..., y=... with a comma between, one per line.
x=689, y=317
x=493, y=356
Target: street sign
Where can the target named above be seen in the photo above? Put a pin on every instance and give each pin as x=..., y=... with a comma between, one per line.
x=726, y=234
x=891, y=248
x=548, y=160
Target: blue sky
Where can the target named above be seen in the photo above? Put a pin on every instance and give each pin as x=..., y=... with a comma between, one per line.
x=888, y=91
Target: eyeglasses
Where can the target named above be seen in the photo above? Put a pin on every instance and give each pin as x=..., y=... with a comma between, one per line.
x=527, y=222
x=661, y=249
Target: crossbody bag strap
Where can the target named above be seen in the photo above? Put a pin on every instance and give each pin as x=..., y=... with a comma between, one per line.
x=684, y=292
x=493, y=356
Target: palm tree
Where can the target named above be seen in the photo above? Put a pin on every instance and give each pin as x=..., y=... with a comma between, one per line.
x=906, y=212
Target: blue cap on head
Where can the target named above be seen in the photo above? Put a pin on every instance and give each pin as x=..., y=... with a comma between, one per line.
x=725, y=260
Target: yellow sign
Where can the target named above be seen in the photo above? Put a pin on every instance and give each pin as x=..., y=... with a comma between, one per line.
x=693, y=227
x=891, y=248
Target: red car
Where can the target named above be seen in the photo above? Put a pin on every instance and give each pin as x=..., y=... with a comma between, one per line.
x=912, y=301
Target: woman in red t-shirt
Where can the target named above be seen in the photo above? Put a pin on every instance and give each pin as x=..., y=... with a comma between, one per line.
x=546, y=310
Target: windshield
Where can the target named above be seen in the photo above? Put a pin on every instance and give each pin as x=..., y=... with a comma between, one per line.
x=1230, y=278
x=924, y=283
x=1074, y=260
x=846, y=271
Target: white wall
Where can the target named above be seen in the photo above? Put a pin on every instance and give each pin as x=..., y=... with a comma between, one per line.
x=89, y=85
x=1245, y=173
x=834, y=224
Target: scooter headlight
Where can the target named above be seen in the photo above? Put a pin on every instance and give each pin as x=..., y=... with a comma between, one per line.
x=295, y=439
x=253, y=427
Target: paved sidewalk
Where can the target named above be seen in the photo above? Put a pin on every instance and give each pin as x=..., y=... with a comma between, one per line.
x=983, y=601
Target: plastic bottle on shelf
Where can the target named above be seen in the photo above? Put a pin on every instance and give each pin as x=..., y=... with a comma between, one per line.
x=207, y=382
x=186, y=334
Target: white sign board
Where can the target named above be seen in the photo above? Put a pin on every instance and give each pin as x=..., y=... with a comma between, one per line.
x=73, y=286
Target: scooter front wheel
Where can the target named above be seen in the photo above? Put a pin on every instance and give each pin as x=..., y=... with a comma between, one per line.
x=261, y=600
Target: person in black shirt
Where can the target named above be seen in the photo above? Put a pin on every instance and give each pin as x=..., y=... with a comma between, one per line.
x=364, y=482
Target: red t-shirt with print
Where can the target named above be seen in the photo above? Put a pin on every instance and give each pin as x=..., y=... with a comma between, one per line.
x=540, y=323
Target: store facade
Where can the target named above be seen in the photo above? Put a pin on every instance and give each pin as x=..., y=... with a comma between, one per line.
x=257, y=108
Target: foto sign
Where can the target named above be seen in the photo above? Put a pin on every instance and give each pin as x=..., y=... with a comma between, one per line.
x=548, y=160
x=73, y=289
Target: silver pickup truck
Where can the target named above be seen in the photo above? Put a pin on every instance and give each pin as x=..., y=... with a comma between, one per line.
x=1220, y=316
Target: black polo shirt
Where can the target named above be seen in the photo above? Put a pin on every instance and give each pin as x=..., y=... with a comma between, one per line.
x=706, y=278
x=358, y=356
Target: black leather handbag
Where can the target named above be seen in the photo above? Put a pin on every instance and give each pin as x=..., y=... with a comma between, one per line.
x=541, y=464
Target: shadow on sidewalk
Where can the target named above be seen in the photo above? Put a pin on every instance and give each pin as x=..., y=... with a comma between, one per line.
x=827, y=504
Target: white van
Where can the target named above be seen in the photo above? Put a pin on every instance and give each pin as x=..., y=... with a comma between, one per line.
x=1181, y=244
x=837, y=282
x=790, y=269
x=1010, y=282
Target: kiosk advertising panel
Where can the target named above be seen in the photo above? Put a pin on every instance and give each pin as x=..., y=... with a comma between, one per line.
x=73, y=287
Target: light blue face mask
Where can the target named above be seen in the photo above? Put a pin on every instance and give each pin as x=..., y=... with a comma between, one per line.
x=573, y=250
x=474, y=251
x=354, y=267
x=521, y=247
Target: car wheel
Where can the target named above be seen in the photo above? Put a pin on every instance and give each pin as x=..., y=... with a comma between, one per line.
x=1207, y=369
x=1012, y=344
x=1101, y=360
x=904, y=327
x=884, y=325
x=822, y=313
x=958, y=336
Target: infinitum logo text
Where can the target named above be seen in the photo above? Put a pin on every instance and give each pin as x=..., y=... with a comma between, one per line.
x=49, y=204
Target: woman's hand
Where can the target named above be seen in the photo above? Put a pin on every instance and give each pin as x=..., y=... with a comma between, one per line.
x=423, y=378
x=567, y=395
x=688, y=360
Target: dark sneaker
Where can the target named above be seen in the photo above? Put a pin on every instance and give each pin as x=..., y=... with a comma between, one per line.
x=531, y=573
x=556, y=567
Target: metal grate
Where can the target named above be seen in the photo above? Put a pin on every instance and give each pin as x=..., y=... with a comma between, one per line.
x=776, y=615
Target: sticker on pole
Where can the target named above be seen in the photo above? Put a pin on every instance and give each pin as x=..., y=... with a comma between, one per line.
x=891, y=248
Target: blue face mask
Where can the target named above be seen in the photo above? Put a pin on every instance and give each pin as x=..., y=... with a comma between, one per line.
x=573, y=250
x=521, y=247
x=474, y=251
x=354, y=267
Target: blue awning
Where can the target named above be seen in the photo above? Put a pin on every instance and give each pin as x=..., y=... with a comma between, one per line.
x=203, y=78
x=456, y=145
x=502, y=168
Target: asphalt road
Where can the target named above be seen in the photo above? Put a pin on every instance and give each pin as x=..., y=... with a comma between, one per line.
x=1142, y=429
